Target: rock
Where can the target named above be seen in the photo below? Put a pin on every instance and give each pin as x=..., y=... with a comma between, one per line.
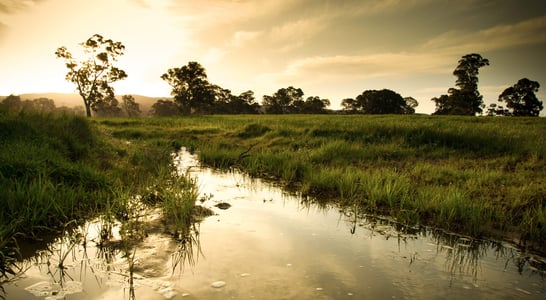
x=223, y=205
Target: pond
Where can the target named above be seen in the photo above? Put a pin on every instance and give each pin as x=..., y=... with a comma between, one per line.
x=265, y=243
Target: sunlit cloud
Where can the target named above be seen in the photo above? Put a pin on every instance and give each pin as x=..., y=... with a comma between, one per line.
x=365, y=66
x=528, y=32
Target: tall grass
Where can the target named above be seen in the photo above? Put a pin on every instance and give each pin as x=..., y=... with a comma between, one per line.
x=473, y=175
x=57, y=169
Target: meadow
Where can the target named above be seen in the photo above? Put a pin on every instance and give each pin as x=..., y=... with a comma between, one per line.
x=479, y=176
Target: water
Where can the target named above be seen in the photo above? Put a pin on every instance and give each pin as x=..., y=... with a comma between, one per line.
x=269, y=244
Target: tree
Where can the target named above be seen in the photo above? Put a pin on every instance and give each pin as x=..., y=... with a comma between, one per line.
x=349, y=105
x=94, y=74
x=43, y=105
x=411, y=104
x=12, y=103
x=190, y=88
x=164, y=108
x=282, y=101
x=521, y=99
x=497, y=110
x=466, y=99
x=314, y=105
x=381, y=102
x=129, y=105
x=245, y=103
x=108, y=107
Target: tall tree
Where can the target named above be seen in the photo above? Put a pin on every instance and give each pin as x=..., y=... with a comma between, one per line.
x=190, y=88
x=465, y=99
x=521, y=99
x=94, y=74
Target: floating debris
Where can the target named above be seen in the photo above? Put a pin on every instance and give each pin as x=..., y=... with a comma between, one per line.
x=245, y=274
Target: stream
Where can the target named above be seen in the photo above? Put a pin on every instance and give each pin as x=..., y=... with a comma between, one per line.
x=265, y=243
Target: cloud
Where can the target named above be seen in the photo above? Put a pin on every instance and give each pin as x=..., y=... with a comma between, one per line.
x=366, y=66
x=528, y=32
x=12, y=6
x=241, y=38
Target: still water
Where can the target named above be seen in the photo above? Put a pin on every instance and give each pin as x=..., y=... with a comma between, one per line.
x=264, y=243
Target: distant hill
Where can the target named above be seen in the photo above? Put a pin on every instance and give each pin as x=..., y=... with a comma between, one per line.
x=73, y=100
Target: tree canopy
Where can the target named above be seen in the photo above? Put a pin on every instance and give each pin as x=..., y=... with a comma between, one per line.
x=190, y=88
x=94, y=74
x=383, y=101
x=465, y=99
x=521, y=100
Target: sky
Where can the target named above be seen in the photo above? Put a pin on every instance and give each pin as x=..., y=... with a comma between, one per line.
x=334, y=49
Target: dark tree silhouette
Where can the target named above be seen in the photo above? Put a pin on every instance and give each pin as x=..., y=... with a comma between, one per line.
x=314, y=105
x=190, y=88
x=411, y=104
x=466, y=99
x=282, y=101
x=521, y=99
x=381, y=102
x=94, y=74
x=349, y=105
x=227, y=103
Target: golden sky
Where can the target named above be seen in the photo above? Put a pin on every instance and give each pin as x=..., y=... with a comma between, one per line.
x=334, y=49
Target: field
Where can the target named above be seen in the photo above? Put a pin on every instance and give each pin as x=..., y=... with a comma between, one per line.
x=479, y=176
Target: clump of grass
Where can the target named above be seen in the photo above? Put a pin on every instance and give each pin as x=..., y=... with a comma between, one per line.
x=57, y=169
x=253, y=130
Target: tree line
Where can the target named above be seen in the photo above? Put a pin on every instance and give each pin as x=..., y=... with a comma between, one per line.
x=193, y=94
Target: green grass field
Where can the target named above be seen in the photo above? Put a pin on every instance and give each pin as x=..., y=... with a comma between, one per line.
x=480, y=176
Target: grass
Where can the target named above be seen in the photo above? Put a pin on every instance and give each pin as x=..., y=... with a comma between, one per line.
x=57, y=170
x=473, y=175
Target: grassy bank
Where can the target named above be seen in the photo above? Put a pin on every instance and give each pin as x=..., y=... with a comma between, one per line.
x=56, y=170
x=477, y=176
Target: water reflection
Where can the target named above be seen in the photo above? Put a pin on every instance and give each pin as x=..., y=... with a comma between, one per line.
x=267, y=243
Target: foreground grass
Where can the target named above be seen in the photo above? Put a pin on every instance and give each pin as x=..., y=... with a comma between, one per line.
x=58, y=170
x=477, y=176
